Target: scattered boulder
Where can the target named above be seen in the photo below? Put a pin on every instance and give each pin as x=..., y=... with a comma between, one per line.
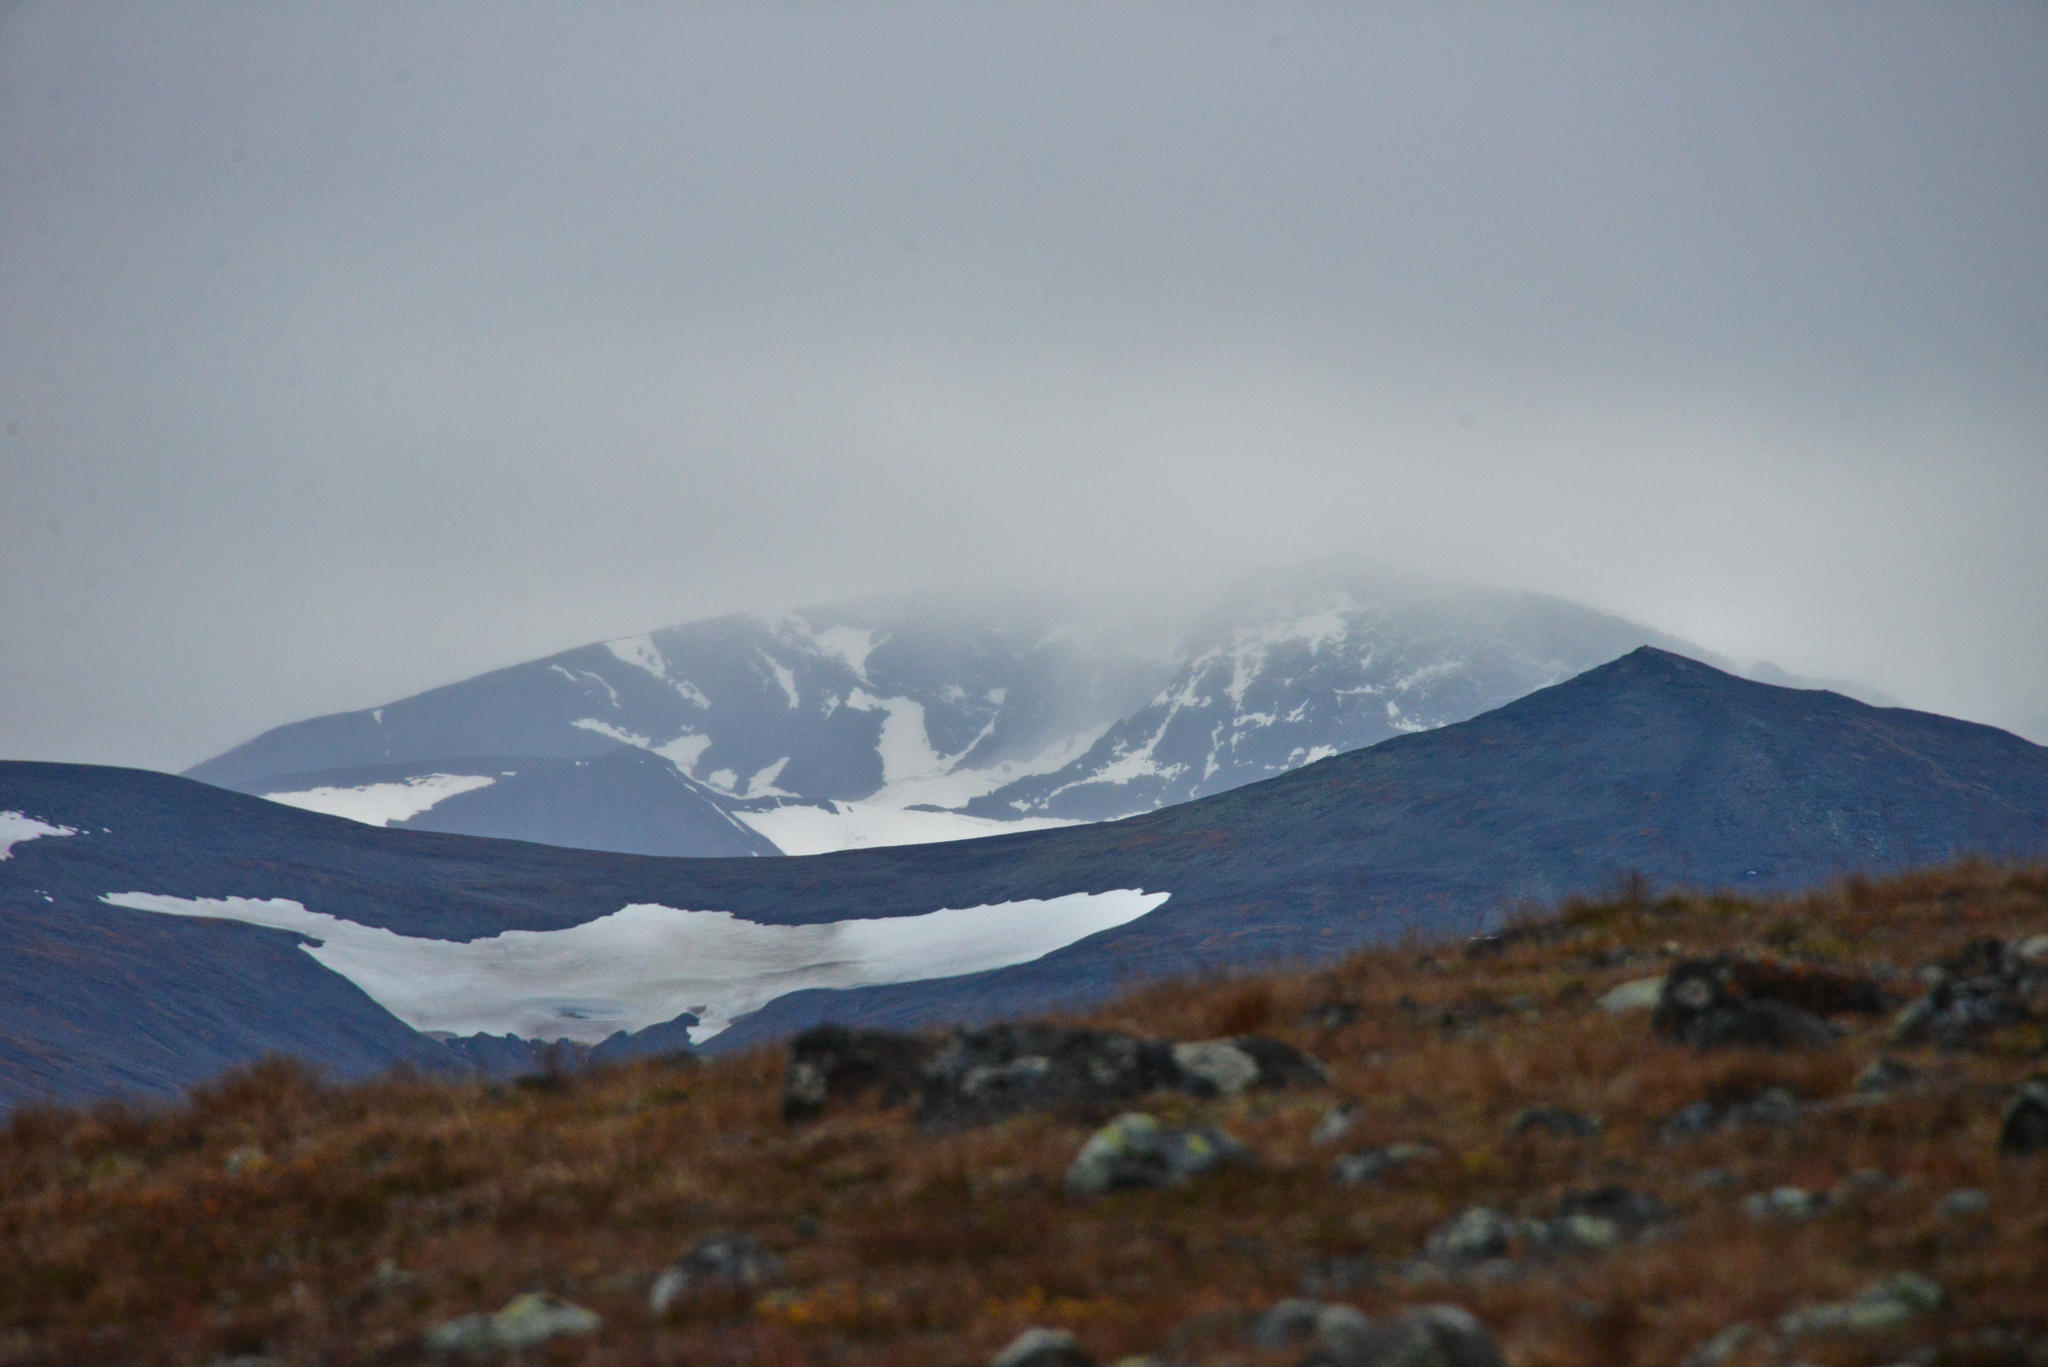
x=1729, y=1000
x=1136, y=1151
x=1335, y=1123
x=1356, y=1169
x=523, y=1322
x=1472, y=1236
x=723, y=1261
x=1555, y=1120
x=1299, y=1321
x=1042, y=1348
x=1985, y=987
x=2024, y=1128
x=1883, y=1077
x=834, y=1064
x=1880, y=1308
x=1627, y=1211
x=1772, y=1106
x=1431, y=1336
x=1720, y=1348
x=1964, y=1204
x=1785, y=1204
x=1639, y=994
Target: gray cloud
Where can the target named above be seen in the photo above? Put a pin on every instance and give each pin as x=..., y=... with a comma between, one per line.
x=346, y=352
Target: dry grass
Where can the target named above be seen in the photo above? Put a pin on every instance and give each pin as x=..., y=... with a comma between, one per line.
x=270, y=1213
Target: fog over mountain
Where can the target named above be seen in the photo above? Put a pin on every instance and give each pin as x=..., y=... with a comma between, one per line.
x=347, y=353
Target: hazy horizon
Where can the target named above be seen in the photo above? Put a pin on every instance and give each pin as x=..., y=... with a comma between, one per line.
x=345, y=353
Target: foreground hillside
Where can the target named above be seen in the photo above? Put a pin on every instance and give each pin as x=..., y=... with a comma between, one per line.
x=1775, y=1166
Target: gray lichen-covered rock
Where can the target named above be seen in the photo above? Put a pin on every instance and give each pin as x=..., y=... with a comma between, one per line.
x=1432, y=1336
x=723, y=1261
x=1135, y=1151
x=1042, y=1348
x=1229, y=1066
x=1640, y=994
x=523, y=1322
x=1880, y=1308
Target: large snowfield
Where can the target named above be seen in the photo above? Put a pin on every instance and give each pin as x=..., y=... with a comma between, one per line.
x=646, y=963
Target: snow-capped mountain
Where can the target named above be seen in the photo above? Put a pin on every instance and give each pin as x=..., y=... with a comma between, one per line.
x=899, y=722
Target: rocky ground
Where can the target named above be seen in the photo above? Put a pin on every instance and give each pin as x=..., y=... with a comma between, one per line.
x=1647, y=1130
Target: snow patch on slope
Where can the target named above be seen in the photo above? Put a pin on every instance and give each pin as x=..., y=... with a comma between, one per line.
x=610, y=732
x=380, y=804
x=19, y=827
x=647, y=963
x=804, y=828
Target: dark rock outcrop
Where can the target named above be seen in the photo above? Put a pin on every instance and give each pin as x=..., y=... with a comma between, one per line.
x=830, y=1064
x=2024, y=1128
x=1730, y=1000
x=977, y=1077
x=1985, y=987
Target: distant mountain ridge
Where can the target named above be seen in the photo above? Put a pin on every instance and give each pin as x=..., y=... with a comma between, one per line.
x=151, y=927
x=897, y=721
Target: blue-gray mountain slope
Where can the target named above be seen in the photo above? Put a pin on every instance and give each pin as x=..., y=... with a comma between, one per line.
x=1651, y=764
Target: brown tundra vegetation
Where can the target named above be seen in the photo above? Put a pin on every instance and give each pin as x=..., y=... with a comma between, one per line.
x=1650, y=1188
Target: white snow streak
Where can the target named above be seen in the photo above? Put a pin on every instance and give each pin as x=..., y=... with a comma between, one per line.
x=380, y=804
x=802, y=828
x=19, y=827
x=648, y=963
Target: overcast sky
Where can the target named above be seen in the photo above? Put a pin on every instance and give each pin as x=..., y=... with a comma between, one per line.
x=349, y=350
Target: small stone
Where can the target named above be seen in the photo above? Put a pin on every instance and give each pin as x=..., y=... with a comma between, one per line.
x=2033, y=950
x=1431, y=1336
x=1336, y=1123
x=1784, y=1203
x=1964, y=1204
x=1555, y=1120
x=2024, y=1128
x=1356, y=1169
x=1589, y=1232
x=1297, y=1321
x=1639, y=994
x=1042, y=1348
x=246, y=1159
x=1471, y=1236
x=1720, y=1348
x=1136, y=1151
x=1883, y=1077
x=1880, y=1308
x=719, y=1261
x=523, y=1322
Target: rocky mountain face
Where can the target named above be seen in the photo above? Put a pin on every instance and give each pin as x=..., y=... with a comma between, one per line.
x=889, y=723
x=154, y=930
